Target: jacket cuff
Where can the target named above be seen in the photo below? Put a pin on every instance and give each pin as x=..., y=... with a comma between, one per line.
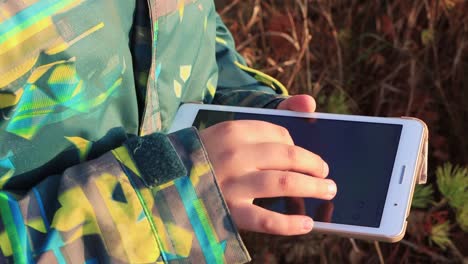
x=191, y=219
x=248, y=98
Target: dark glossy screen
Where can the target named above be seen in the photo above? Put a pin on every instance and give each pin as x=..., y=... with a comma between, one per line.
x=360, y=156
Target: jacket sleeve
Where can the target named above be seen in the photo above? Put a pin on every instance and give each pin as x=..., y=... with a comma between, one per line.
x=238, y=84
x=154, y=199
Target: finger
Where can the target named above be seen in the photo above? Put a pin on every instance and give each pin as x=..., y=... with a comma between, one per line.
x=275, y=183
x=299, y=103
x=254, y=218
x=275, y=156
x=255, y=131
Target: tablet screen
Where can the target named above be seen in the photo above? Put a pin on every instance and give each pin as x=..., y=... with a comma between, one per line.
x=360, y=155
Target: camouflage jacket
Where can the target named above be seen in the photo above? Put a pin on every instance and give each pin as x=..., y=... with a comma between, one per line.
x=88, y=89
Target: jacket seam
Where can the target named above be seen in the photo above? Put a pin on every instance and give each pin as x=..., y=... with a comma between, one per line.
x=145, y=210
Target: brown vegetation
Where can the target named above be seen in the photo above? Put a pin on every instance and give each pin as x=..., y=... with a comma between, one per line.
x=385, y=58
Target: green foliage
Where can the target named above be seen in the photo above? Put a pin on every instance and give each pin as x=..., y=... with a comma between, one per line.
x=423, y=196
x=453, y=184
x=427, y=37
x=462, y=218
x=334, y=103
x=440, y=235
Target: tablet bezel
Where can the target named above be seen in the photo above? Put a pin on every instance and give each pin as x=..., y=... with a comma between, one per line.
x=401, y=187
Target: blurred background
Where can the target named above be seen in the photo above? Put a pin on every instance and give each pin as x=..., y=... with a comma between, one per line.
x=382, y=58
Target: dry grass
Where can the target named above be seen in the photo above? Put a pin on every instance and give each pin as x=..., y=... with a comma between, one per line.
x=385, y=58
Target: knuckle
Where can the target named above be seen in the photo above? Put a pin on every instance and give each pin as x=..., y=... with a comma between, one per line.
x=228, y=155
x=284, y=183
x=267, y=225
x=228, y=187
x=292, y=154
x=228, y=127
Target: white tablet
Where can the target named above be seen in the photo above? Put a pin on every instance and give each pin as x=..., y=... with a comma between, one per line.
x=374, y=161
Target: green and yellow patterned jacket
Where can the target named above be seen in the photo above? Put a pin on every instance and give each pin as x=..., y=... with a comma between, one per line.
x=88, y=89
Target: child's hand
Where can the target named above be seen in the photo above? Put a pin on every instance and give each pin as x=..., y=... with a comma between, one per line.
x=254, y=159
x=299, y=103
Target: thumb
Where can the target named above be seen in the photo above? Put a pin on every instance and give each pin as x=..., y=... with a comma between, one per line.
x=299, y=103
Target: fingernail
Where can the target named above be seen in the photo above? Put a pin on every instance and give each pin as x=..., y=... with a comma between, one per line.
x=331, y=189
x=326, y=169
x=308, y=224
